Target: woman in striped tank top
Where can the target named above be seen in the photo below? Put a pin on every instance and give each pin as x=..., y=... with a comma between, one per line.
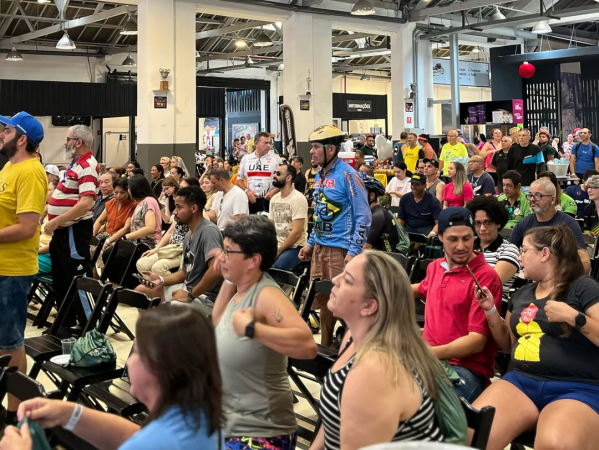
x=383, y=383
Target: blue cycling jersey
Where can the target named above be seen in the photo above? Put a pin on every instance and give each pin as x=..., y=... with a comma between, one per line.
x=341, y=215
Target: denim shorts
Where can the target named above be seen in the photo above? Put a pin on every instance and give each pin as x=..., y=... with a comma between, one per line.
x=543, y=392
x=13, y=311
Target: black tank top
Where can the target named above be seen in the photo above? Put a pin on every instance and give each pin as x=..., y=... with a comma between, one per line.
x=310, y=178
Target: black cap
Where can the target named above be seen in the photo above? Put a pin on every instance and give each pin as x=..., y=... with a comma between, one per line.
x=454, y=217
x=418, y=178
x=434, y=162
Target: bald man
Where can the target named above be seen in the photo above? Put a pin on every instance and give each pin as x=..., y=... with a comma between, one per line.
x=451, y=151
x=585, y=155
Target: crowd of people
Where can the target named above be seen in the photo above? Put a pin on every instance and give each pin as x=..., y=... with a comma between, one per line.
x=210, y=363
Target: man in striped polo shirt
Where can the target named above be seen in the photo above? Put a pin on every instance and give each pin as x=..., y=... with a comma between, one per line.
x=70, y=213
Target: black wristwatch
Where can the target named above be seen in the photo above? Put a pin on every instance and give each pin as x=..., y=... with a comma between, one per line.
x=249, y=330
x=580, y=321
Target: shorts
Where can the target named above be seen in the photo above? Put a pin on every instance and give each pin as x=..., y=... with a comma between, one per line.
x=327, y=263
x=13, y=304
x=285, y=442
x=544, y=392
x=202, y=303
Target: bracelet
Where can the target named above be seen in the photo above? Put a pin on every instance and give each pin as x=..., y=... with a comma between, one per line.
x=246, y=190
x=161, y=278
x=228, y=282
x=74, y=418
x=490, y=312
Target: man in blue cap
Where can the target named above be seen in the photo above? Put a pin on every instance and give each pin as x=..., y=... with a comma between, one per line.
x=454, y=325
x=23, y=188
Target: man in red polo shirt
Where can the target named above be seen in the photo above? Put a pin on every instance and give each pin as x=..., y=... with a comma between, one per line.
x=70, y=213
x=454, y=325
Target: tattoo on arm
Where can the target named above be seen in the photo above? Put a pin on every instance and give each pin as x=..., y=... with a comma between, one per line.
x=278, y=316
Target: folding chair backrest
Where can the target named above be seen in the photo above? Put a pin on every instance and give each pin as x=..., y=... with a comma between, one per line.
x=119, y=245
x=99, y=244
x=284, y=278
x=317, y=286
x=128, y=297
x=405, y=261
x=81, y=289
x=26, y=388
x=480, y=422
x=4, y=360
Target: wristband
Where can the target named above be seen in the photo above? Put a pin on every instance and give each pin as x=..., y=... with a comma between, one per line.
x=74, y=418
x=228, y=282
x=161, y=278
x=492, y=311
x=246, y=190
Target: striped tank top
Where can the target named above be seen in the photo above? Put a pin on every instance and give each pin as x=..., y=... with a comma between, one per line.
x=422, y=426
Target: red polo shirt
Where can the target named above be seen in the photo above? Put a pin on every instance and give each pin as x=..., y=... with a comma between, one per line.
x=452, y=311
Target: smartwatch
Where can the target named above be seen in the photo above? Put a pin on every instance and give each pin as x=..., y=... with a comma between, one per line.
x=249, y=330
x=580, y=321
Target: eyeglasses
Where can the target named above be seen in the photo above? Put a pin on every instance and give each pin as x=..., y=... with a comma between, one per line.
x=537, y=196
x=487, y=223
x=477, y=160
x=227, y=253
x=592, y=187
x=72, y=139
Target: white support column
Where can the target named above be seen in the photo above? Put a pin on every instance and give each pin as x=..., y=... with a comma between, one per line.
x=454, y=64
x=307, y=42
x=426, y=114
x=166, y=40
x=401, y=75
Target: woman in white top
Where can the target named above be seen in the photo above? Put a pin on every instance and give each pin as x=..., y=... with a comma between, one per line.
x=399, y=185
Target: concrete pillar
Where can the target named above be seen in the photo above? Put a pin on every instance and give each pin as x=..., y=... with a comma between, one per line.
x=426, y=114
x=401, y=75
x=166, y=40
x=454, y=64
x=307, y=42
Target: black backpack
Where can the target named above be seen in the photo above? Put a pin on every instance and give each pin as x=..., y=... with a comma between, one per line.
x=594, y=147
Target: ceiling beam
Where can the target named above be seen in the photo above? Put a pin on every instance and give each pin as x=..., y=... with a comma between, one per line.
x=69, y=25
x=365, y=67
x=208, y=21
x=423, y=13
x=567, y=55
x=350, y=37
x=242, y=54
x=231, y=29
x=12, y=11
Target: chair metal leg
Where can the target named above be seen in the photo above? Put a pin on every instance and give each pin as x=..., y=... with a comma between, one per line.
x=120, y=327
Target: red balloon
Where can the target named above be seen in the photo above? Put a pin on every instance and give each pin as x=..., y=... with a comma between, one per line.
x=526, y=70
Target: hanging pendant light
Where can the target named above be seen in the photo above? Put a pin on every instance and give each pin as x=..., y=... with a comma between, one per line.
x=262, y=40
x=476, y=49
x=240, y=43
x=362, y=8
x=14, y=55
x=130, y=26
x=542, y=27
x=365, y=77
x=129, y=61
x=497, y=15
x=65, y=42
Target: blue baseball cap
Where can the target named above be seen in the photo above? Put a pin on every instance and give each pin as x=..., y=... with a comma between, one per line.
x=27, y=125
x=455, y=216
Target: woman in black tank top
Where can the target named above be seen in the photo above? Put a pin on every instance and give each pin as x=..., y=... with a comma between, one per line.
x=310, y=178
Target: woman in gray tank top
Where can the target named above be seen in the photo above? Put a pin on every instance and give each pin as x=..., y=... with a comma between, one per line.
x=257, y=328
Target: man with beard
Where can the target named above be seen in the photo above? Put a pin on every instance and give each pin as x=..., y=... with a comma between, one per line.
x=545, y=145
x=70, y=213
x=195, y=282
x=289, y=212
x=542, y=202
x=23, y=187
x=454, y=325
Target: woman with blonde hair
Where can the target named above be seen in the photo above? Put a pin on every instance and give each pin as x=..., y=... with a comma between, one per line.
x=167, y=199
x=208, y=188
x=165, y=162
x=177, y=161
x=458, y=192
x=373, y=296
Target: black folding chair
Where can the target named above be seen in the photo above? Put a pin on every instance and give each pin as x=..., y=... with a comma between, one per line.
x=292, y=284
x=44, y=347
x=99, y=243
x=405, y=261
x=524, y=440
x=74, y=379
x=41, y=294
x=480, y=422
x=419, y=270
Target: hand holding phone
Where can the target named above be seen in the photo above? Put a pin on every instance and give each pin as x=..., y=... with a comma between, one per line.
x=483, y=295
x=144, y=280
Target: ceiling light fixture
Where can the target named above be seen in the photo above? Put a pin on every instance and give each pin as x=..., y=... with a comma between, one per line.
x=65, y=42
x=362, y=8
x=262, y=40
x=498, y=15
x=365, y=77
x=129, y=61
x=43, y=1
x=240, y=43
x=248, y=61
x=14, y=55
x=130, y=26
x=476, y=49
x=541, y=27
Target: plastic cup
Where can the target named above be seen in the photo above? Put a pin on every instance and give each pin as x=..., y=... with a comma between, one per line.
x=67, y=345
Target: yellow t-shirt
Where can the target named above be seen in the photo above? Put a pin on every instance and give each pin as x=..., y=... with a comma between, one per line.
x=250, y=146
x=23, y=189
x=450, y=152
x=410, y=156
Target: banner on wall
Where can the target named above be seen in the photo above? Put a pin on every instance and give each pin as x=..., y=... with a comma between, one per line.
x=472, y=73
x=409, y=113
x=288, y=135
x=518, y=111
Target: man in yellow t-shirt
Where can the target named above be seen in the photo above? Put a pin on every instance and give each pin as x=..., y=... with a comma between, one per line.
x=249, y=143
x=451, y=151
x=412, y=152
x=23, y=188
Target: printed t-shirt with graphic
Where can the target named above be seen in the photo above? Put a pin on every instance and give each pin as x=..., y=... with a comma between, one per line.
x=23, y=189
x=82, y=178
x=482, y=184
x=411, y=156
x=450, y=153
x=542, y=351
x=517, y=211
x=580, y=197
x=567, y=205
x=258, y=172
x=138, y=221
x=524, y=160
x=383, y=234
x=396, y=185
x=283, y=211
x=531, y=221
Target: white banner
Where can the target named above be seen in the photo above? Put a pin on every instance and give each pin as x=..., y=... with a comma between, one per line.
x=471, y=73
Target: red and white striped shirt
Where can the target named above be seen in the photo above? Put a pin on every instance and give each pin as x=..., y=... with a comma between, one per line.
x=81, y=178
x=258, y=172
